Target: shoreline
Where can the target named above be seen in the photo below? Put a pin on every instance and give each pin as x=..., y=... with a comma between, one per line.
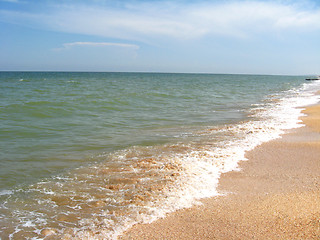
x=275, y=195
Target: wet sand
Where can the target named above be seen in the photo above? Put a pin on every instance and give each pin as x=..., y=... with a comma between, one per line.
x=275, y=195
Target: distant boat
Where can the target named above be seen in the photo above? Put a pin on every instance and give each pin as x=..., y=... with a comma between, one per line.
x=313, y=79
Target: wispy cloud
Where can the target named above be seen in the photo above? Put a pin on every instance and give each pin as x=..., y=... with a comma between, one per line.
x=174, y=20
x=11, y=1
x=98, y=44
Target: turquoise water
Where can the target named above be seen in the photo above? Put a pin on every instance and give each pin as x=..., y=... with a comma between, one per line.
x=57, y=128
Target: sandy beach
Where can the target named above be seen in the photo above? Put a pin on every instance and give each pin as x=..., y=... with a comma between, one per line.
x=275, y=195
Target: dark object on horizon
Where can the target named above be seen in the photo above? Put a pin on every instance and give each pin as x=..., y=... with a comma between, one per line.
x=313, y=79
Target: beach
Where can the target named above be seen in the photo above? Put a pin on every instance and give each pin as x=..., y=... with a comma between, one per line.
x=274, y=195
x=105, y=153
x=159, y=119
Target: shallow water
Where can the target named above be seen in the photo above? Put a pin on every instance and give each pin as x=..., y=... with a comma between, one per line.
x=86, y=155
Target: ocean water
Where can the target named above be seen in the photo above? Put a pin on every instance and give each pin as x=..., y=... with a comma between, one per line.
x=87, y=155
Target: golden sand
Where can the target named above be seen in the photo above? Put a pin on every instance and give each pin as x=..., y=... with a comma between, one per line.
x=276, y=195
x=313, y=119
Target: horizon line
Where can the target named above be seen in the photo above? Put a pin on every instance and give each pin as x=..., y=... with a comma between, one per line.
x=155, y=72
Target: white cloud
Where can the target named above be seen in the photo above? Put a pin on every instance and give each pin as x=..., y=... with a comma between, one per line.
x=11, y=1
x=162, y=20
x=98, y=44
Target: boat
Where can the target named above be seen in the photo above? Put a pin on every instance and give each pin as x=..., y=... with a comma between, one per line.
x=313, y=79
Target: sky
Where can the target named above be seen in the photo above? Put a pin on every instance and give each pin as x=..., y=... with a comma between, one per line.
x=198, y=36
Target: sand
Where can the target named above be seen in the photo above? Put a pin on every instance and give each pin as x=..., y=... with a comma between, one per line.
x=276, y=195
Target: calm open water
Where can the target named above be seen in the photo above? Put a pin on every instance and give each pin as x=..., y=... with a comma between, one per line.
x=87, y=155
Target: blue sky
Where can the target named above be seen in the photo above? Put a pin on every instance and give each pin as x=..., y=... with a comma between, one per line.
x=258, y=37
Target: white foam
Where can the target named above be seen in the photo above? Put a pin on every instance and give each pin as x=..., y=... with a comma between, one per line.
x=5, y=192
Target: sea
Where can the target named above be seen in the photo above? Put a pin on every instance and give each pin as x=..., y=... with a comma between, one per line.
x=86, y=155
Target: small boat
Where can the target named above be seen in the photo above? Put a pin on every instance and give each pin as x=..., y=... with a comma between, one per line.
x=313, y=79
